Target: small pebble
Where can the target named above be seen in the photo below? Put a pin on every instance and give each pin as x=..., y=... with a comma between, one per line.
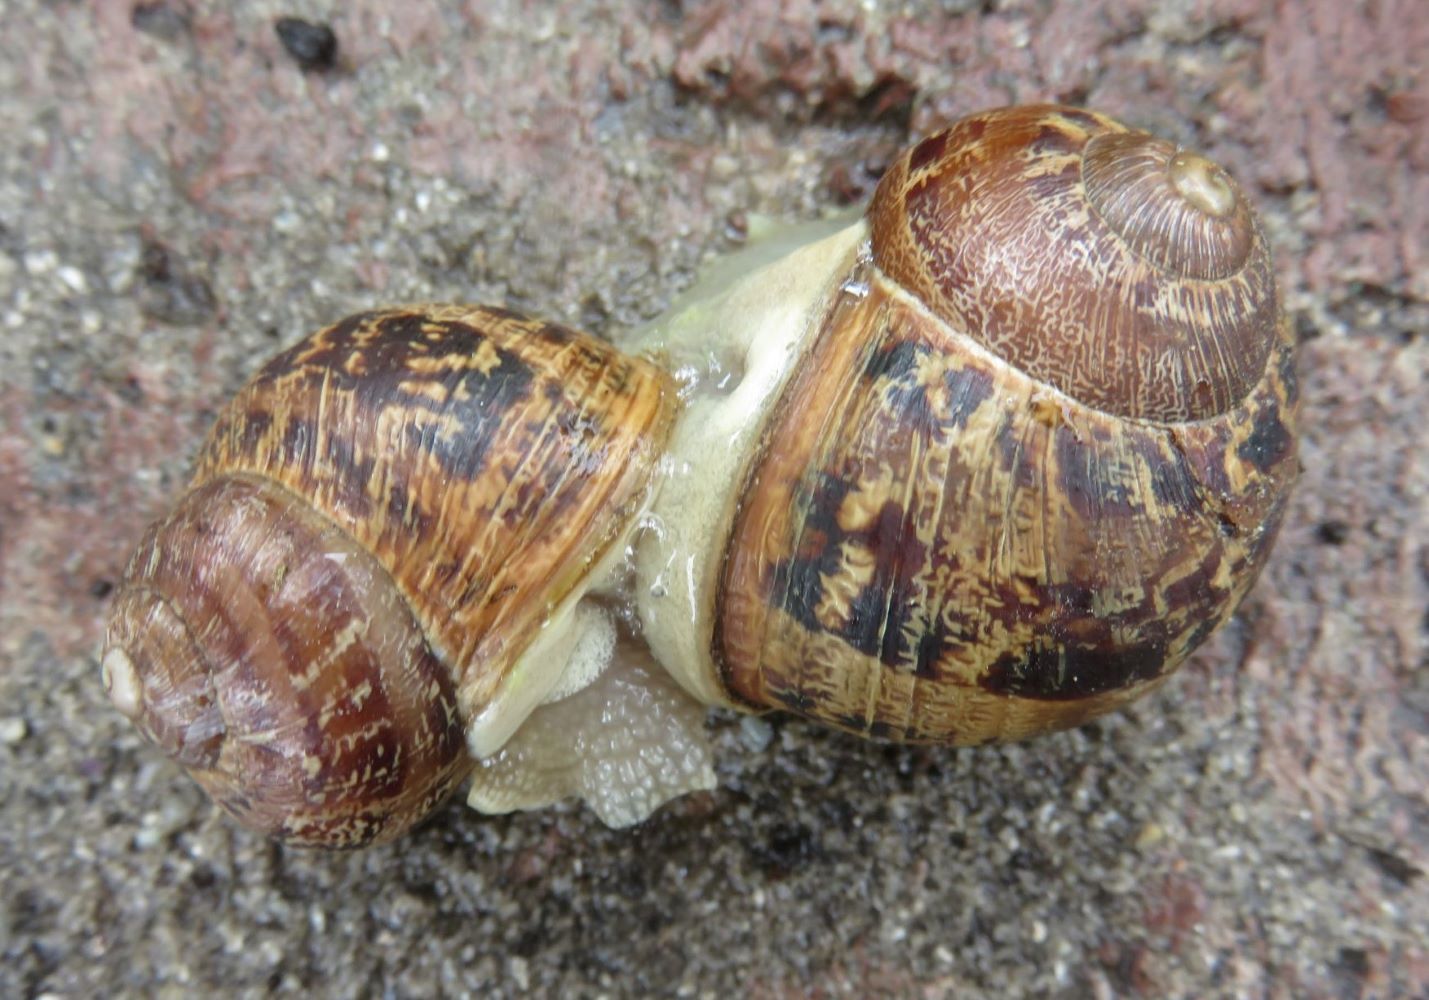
x=53, y=445
x=73, y=279
x=160, y=20
x=521, y=973
x=13, y=730
x=1149, y=836
x=755, y=733
x=312, y=46
x=39, y=262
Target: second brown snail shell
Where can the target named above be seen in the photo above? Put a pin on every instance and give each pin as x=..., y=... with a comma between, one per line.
x=988, y=462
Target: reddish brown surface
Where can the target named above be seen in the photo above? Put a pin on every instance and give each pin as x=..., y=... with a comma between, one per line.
x=1255, y=829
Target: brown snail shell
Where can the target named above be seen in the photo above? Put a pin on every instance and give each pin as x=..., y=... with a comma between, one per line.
x=1023, y=483
x=379, y=522
x=988, y=462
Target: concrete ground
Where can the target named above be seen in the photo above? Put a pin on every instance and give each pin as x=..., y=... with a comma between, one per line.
x=178, y=198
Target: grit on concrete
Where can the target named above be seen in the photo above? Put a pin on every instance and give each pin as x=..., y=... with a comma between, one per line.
x=178, y=198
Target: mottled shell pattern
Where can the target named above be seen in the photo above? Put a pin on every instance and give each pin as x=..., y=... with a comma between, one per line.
x=1032, y=448
x=1041, y=455
x=378, y=523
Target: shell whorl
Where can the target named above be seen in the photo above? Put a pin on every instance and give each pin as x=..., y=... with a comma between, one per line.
x=1041, y=455
x=260, y=647
x=1174, y=208
x=378, y=526
x=1104, y=262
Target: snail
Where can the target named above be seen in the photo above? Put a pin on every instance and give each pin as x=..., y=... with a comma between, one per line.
x=987, y=462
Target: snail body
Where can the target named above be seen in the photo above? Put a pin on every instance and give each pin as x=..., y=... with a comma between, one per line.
x=989, y=461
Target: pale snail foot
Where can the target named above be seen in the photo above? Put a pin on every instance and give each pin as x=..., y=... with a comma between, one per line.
x=625, y=744
x=767, y=240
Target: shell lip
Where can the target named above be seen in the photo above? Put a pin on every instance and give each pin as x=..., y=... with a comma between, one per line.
x=157, y=676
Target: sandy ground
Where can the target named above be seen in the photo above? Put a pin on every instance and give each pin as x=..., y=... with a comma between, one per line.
x=178, y=198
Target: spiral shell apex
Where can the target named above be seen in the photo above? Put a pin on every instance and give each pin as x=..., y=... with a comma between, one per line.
x=1124, y=273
